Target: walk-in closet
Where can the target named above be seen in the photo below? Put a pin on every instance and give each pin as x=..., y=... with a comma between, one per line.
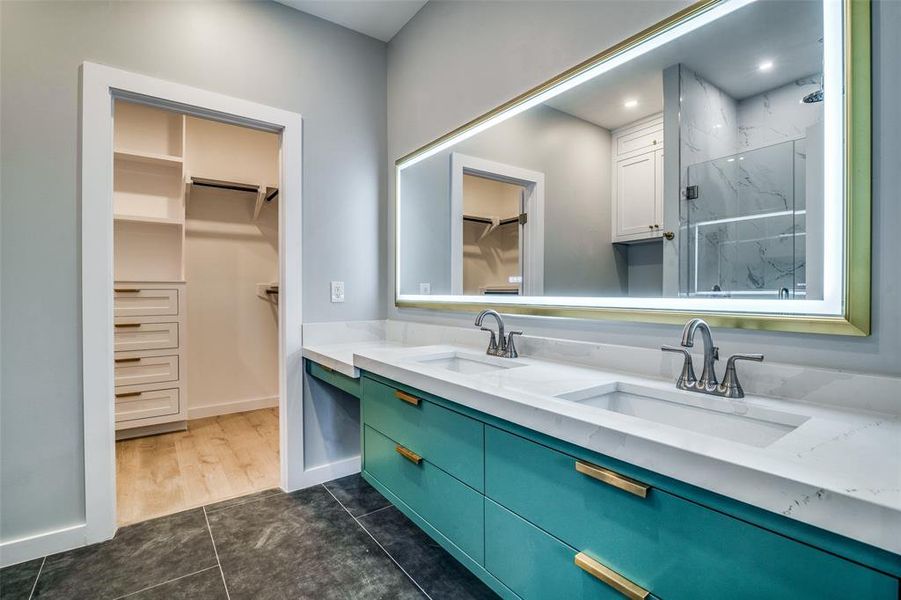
x=195, y=310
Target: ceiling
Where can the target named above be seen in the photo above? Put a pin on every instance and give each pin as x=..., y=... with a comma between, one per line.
x=381, y=19
x=726, y=52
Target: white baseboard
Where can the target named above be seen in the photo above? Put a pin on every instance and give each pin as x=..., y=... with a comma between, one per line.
x=14, y=552
x=227, y=408
x=323, y=473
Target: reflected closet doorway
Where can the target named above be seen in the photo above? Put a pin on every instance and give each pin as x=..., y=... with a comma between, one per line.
x=101, y=88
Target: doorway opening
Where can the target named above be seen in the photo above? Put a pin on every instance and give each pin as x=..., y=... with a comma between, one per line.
x=196, y=288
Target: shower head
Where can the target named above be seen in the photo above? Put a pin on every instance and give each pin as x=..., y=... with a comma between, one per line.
x=813, y=97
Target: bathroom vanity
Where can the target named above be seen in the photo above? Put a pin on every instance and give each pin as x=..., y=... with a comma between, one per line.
x=554, y=480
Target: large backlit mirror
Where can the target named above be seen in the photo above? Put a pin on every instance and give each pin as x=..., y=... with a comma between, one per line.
x=715, y=164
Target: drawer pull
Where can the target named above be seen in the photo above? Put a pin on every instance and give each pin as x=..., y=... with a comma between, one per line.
x=127, y=360
x=121, y=325
x=408, y=454
x=610, y=577
x=326, y=369
x=407, y=398
x=128, y=394
x=126, y=290
x=611, y=478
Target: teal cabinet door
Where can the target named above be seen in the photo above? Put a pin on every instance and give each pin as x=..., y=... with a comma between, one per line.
x=449, y=440
x=451, y=507
x=670, y=546
x=332, y=377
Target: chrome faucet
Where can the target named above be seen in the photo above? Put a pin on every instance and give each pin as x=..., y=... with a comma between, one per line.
x=708, y=384
x=502, y=345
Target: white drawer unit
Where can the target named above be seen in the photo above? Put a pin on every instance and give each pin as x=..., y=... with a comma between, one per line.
x=139, y=370
x=133, y=301
x=149, y=340
x=128, y=337
x=137, y=405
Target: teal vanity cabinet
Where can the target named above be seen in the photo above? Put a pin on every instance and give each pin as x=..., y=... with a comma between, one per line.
x=537, y=518
x=332, y=377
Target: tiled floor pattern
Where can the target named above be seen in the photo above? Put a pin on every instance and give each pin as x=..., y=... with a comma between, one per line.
x=340, y=540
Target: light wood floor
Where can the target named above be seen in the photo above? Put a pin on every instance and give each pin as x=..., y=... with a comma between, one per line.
x=215, y=459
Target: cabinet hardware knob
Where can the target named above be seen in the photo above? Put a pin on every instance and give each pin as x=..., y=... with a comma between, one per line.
x=627, y=588
x=407, y=398
x=121, y=325
x=654, y=141
x=408, y=454
x=125, y=290
x=609, y=477
x=650, y=227
x=669, y=235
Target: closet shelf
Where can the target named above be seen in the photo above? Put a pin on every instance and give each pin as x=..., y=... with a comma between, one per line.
x=147, y=219
x=264, y=194
x=149, y=158
x=490, y=220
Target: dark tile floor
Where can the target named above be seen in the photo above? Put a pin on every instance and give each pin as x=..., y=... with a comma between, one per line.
x=335, y=541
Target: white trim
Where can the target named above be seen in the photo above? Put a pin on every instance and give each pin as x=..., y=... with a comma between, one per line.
x=13, y=552
x=228, y=408
x=532, y=255
x=329, y=471
x=99, y=85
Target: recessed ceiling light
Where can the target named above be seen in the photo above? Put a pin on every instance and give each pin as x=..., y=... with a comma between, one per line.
x=630, y=103
x=730, y=160
x=765, y=65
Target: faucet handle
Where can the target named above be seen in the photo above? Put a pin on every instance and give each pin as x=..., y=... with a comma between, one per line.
x=492, y=343
x=687, y=377
x=731, y=386
x=509, y=346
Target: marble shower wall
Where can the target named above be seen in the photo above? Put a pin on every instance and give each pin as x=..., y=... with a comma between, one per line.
x=744, y=233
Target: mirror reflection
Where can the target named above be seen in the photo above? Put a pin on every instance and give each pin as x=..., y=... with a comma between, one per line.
x=695, y=169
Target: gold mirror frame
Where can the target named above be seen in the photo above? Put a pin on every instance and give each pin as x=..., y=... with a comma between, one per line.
x=855, y=319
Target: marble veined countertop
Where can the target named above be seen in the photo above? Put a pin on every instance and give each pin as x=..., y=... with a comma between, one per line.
x=831, y=467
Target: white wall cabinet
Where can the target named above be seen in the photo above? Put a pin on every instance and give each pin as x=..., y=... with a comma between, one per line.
x=638, y=181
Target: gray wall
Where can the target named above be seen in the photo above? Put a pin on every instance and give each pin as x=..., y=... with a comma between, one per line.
x=456, y=60
x=573, y=155
x=260, y=51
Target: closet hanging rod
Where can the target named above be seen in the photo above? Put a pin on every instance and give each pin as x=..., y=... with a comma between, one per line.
x=489, y=221
x=225, y=185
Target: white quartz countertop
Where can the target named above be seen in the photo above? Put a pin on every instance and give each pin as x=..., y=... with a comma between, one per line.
x=839, y=469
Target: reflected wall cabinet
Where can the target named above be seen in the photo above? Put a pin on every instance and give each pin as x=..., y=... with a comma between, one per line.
x=637, y=192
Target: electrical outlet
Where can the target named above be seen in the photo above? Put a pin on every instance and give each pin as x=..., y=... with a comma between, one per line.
x=337, y=291
x=425, y=289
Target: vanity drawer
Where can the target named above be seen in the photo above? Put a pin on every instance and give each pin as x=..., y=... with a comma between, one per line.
x=145, y=336
x=536, y=565
x=673, y=547
x=148, y=369
x=449, y=440
x=332, y=377
x=454, y=509
x=131, y=406
x=139, y=302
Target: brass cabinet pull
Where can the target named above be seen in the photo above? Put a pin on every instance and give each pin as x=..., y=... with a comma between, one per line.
x=407, y=398
x=128, y=394
x=126, y=290
x=408, y=454
x=120, y=325
x=610, y=577
x=611, y=478
x=127, y=360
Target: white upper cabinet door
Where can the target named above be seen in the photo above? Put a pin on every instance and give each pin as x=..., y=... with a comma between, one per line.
x=636, y=210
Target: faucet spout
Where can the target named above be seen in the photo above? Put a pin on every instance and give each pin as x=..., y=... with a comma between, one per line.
x=708, y=379
x=492, y=313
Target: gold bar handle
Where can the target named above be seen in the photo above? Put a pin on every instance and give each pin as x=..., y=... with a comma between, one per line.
x=128, y=394
x=408, y=454
x=121, y=325
x=612, y=478
x=407, y=398
x=126, y=290
x=127, y=360
x=619, y=583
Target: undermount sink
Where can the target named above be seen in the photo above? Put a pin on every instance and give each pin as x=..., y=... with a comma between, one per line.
x=469, y=364
x=732, y=420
